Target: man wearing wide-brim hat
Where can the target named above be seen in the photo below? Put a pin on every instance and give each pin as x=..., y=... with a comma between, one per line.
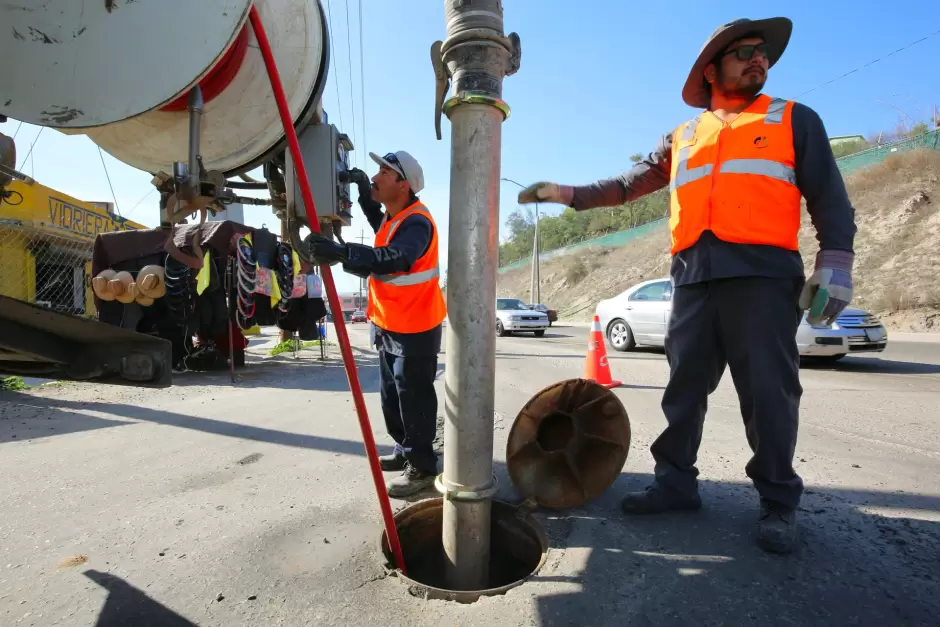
x=736, y=174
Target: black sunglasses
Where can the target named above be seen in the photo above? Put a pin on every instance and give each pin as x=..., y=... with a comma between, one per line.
x=746, y=52
x=391, y=158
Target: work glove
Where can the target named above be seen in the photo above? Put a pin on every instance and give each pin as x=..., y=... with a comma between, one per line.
x=360, y=178
x=547, y=192
x=324, y=250
x=829, y=290
x=359, y=260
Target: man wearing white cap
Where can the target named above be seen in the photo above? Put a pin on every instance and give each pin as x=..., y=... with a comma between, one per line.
x=406, y=306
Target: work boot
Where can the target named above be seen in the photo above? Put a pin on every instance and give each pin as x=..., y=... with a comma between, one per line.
x=776, y=527
x=411, y=481
x=656, y=500
x=395, y=461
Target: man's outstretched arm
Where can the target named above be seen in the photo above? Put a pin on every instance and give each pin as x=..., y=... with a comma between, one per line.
x=647, y=176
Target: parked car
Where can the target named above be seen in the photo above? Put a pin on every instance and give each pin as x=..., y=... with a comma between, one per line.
x=514, y=316
x=638, y=316
x=552, y=314
x=358, y=316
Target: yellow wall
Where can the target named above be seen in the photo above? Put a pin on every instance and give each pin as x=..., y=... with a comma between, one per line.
x=46, y=214
x=60, y=214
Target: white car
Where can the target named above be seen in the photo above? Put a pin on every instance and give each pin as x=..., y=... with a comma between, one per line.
x=639, y=315
x=514, y=316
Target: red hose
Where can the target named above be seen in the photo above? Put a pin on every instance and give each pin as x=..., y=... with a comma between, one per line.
x=219, y=77
x=391, y=531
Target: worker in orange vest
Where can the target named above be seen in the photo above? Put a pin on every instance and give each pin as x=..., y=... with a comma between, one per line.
x=406, y=307
x=736, y=174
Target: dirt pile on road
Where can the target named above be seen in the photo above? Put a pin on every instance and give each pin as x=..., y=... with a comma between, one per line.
x=897, y=207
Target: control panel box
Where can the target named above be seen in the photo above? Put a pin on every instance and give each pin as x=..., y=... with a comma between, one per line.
x=326, y=154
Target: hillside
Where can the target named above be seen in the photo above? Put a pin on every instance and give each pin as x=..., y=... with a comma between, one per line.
x=898, y=241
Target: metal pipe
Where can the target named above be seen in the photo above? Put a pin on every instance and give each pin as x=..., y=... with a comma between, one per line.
x=477, y=56
x=196, y=107
x=534, y=278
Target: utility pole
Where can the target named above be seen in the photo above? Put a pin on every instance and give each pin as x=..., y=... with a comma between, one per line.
x=476, y=55
x=362, y=240
x=534, y=279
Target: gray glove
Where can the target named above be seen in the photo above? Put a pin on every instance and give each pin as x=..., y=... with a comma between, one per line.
x=547, y=192
x=829, y=290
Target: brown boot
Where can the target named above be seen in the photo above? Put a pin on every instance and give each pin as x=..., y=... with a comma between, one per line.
x=656, y=500
x=776, y=528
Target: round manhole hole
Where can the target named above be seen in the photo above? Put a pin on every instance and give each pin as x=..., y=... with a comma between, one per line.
x=518, y=547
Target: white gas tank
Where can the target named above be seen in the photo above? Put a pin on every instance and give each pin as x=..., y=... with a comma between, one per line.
x=119, y=71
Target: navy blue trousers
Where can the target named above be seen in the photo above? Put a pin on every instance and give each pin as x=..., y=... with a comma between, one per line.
x=409, y=404
x=748, y=324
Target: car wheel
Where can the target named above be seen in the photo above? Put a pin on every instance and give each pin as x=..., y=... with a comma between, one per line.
x=500, y=329
x=540, y=333
x=620, y=336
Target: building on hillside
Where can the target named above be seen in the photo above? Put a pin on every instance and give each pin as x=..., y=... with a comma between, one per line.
x=845, y=139
x=46, y=242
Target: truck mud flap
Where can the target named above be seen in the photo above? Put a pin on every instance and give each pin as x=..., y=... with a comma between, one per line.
x=38, y=342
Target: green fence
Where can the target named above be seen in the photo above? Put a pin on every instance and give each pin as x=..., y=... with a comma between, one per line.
x=873, y=156
x=847, y=165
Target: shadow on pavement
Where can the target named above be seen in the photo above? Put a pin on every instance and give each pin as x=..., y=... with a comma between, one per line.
x=873, y=365
x=127, y=605
x=851, y=567
x=59, y=414
x=704, y=568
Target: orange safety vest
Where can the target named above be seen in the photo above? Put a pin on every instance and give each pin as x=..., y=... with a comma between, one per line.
x=407, y=302
x=737, y=180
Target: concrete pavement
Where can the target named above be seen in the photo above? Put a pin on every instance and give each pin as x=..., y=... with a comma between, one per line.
x=214, y=504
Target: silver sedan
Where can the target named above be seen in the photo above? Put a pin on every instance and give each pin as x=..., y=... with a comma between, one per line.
x=638, y=317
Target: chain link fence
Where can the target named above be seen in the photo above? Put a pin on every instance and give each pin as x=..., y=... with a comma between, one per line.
x=847, y=165
x=873, y=156
x=42, y=266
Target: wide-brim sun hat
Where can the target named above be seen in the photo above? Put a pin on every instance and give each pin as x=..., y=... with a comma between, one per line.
x=775, y=31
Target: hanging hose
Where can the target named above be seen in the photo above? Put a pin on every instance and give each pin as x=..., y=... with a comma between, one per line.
x=284, y=277
x=341, y=334
x=244, y=283
x=180, y=290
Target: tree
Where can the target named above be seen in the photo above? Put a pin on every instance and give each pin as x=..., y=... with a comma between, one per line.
x=636, y=157
x=918, y=129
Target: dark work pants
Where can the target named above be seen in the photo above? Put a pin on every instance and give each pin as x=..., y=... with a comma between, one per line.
x=409, y=404
x=750, y=324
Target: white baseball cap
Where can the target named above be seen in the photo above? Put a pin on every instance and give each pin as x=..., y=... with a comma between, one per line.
x=404, y=164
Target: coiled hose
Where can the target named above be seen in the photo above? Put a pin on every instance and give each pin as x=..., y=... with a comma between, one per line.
x=244, y=283
x=284, y=277
x=180, y=290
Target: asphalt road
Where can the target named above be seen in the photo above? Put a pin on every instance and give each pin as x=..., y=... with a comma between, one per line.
x=214, y=504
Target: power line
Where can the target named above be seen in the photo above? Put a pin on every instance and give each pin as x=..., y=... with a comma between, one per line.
x=362, y=76
x=862, y=67
x=352, y=96
x=35, y=139
x=339, y=104
x=142, y=198
x=18, y=127
x=108, y=176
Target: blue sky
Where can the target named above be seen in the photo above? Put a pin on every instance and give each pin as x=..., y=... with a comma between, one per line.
x=596, y=85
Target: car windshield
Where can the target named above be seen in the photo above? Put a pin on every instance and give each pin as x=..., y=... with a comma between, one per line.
x=510, y=304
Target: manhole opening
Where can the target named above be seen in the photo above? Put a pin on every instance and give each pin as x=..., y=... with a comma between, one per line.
x=555, y=431
x=517, y=550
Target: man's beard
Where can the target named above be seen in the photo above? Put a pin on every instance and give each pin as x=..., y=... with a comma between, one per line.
x=740, y=89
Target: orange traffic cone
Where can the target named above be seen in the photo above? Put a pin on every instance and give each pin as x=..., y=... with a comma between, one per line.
x=596, y=366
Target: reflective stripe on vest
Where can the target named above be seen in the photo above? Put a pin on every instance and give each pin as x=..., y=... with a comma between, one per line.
x=407, y=302
x=759, y=209
x=408, y=279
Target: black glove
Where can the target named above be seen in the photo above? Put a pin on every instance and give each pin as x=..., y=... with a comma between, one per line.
x=360, y=178
x=324, y=250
